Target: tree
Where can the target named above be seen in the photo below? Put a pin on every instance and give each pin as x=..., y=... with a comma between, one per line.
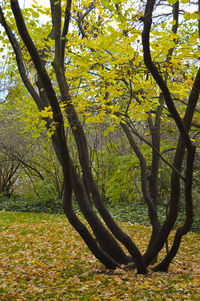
x=52, y=88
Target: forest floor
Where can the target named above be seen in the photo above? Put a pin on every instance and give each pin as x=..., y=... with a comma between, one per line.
x=43, y=258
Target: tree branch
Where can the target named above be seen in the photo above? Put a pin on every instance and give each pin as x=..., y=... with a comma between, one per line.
x=159, y=154
x=65, y=30
x=81, y=18
x=20, y=63
x=56, y=20
x=156, y=75
x=37, y=62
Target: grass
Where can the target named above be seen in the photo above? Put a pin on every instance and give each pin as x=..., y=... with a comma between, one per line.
x=43, y=258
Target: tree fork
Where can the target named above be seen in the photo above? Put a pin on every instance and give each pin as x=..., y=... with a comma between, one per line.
x=84, y=161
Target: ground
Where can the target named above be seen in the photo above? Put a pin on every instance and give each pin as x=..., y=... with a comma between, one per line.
x=43, y=258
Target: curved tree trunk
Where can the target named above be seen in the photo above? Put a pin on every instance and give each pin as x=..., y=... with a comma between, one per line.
x=59, y=136
x=152, y=210
x=164, y=265
x=81, y=143
x=184, y=141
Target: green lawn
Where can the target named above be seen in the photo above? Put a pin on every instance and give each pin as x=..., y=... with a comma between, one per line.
x=43, y=258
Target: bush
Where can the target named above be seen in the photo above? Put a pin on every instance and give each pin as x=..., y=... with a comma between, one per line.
x=134, y=212
x=16, y=203
x=138, y=212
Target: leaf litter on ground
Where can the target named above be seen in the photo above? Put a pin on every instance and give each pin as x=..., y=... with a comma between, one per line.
x=43, y=258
